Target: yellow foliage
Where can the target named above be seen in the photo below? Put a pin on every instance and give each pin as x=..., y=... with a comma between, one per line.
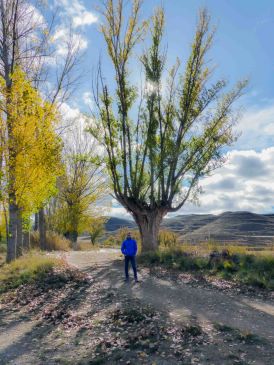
x=167, y=238
x=2, y=227
x=33, y=160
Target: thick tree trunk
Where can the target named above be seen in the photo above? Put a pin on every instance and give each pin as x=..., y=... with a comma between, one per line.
x=12, y=232
x=149, y=226
x=19, y=238
x=42, y=229
x=26, y=241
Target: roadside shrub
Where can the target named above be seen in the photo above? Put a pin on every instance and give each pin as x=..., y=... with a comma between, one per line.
x=254, y=280
x=54, y=241
x=111, y=241
x=257, y=271
x=249, y=269
x=205, y=248
x=228, y=265
x=174, y=258
x=149, y=258
x=167, y=238
x=26, y=269
x=116, y=239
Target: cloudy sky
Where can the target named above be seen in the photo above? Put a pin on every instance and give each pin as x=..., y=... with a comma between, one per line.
x=244, y=47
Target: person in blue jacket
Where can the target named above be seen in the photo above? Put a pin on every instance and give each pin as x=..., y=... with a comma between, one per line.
x=129, y=250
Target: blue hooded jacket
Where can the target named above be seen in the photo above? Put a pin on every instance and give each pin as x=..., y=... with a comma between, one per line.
x=129, y=247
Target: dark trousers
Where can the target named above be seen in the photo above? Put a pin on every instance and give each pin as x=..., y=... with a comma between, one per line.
x=132, y=260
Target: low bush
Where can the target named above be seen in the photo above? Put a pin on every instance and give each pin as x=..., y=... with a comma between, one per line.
x=249, y=269
x=167, y=238
x=257, y=270
x=117, y=237
x=174, y=258
x=54, y=241
x=26, y=269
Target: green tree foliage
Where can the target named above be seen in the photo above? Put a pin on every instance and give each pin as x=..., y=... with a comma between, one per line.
x=159, y=139
x=96, y=229
x=79, y=188
x=116, y=239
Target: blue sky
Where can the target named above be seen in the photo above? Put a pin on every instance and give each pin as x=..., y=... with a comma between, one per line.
x=244, y=42
x=243, y=47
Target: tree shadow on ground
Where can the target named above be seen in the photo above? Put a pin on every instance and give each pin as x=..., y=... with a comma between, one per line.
x=110, y=342
x=25, y=343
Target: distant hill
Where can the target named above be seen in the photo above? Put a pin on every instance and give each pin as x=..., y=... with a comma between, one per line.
x=184, y=224
x=242, y=227
x=115, y=223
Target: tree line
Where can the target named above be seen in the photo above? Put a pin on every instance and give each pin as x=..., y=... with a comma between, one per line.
x=43, y=175
x=148, y=145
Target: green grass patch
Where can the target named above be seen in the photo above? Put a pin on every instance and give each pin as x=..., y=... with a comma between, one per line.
x=26, y=269
x=249, y=269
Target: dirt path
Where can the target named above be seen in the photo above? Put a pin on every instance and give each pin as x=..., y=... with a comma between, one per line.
x=181, y=301
x=102, y=320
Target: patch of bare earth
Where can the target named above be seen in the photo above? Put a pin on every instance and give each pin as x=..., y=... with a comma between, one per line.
x=88, y=315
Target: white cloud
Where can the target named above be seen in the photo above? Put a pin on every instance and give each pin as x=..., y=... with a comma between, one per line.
x=257, y=128
x=119, y=212
x=74, y=124
x=68, y=112
x=87, y=98
x=86, y=18
x=77, y=12
x=64, y=38
x=73, y=15
x=245, y=182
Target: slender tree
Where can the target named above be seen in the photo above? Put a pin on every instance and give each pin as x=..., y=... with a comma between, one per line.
x=96, y=229
x=159, y=139
x=81, y=185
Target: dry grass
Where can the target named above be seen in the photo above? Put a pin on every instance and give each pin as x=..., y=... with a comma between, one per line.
x=55, y=242
x=86, y=246
x=26, y=269
x=207, y=247
x=238, y=263
x=3, y=252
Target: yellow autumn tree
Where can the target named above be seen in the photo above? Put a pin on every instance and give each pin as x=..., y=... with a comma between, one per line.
x=35, y=161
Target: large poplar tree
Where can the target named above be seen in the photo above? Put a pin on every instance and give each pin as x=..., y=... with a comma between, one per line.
x=159, y=139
